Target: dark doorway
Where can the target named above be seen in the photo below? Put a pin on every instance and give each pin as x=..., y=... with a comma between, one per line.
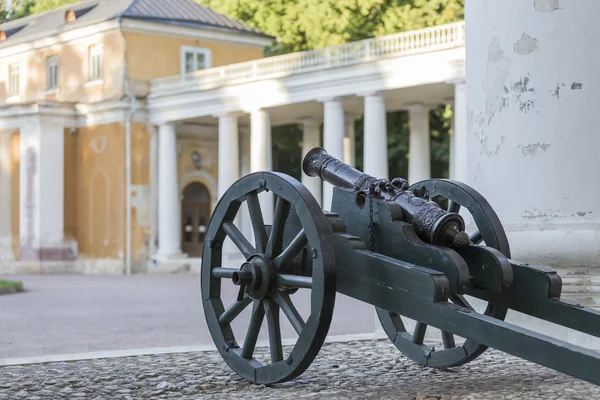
x=195, y=211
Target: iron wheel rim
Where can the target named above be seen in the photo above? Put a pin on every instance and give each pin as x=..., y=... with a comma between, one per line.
x=313, y=331
x=490, y=231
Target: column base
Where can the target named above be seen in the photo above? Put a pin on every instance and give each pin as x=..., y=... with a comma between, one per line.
x=169, y=263
x=64, y=251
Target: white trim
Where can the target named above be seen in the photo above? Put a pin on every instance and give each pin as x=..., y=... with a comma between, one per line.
x=246, y=39
x=51, y=92
x=52, y=61
x=19, y=78
x=78, y=116
x=203, y=177
x=184, y=50
x=94, y=83
x=96, y=50
x=107, y=354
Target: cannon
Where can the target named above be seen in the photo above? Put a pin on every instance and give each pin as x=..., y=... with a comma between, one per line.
x=392, y=246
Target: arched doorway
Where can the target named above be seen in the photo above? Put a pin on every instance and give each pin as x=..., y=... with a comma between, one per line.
x=195, y=210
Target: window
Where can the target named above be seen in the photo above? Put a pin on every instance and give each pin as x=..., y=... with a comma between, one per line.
x=15, y=78
x=52, y=72
x=194, y=59
x=96, y=62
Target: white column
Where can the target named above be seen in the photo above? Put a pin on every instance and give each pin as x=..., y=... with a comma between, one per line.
x=41, y=194
x=375, y=137
x=333, y=139
x=452, y=153
x=459, y=144
x=532, y=102
x=310, y=140
x=350, y=141
x=261, y=155
x=229, y=157
x=419, y=147
x=244, y=146
x=169, y=205
x=6, y=251
x=154, y=168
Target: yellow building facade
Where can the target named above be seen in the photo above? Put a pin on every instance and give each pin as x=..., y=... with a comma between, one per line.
x=76, y=148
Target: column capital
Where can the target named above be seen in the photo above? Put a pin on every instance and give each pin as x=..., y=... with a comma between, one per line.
x=230, y=114
x=370, y=93
x=457, y=81
x=350, y=117
x=328, y=99
x=418, y=107
x=308, y=121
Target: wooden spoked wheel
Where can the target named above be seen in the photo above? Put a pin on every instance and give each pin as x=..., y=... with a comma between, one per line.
x=294, y=253
x=489, y=230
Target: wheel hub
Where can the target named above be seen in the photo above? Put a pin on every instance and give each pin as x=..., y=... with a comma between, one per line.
x=255, y=276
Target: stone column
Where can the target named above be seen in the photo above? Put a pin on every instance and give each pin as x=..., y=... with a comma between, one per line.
x=532, y=101
x=333, y=139
x=169, y=205
x=375, y=137
x=419, y=147
x=310, y=140
x=261, y=156
x=41, y=187
x=350, y=141
x=228, y=157
x=459, y=144
x=6, y=251
x=244, y=146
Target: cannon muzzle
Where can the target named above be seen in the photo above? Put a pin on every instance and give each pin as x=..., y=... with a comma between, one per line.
x=433, y=224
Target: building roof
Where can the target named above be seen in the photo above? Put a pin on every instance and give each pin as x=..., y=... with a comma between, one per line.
x=174, y=12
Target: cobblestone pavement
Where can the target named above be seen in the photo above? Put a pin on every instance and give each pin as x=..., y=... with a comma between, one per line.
x=354, y=370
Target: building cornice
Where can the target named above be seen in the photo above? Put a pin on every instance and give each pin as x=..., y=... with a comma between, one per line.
x=40, y=41
x=79, y=115
x=137, y=26
x=52, y=38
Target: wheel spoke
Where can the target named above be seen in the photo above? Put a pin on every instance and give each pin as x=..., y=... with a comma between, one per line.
x=453, y=207
x=476, y=237
x=419, y=333
x=459, y=299
x=448, y=340
x=258, y=223
x=292, y=250
x=272, y=311
x=238, y=238
x=234, y=310
x=282, y=210
x=290, y=311
x=294, y=281
x=223, y=272
x=258, y=315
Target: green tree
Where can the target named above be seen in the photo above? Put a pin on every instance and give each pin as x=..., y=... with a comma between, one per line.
x=41, y=6
x=310, y=24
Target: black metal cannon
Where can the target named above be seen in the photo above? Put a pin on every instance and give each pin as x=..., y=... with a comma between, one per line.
x=388, y=245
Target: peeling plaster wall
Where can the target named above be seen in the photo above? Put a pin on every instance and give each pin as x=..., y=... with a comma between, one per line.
x=532, y=95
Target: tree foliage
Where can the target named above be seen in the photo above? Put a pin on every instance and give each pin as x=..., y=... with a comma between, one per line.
x=41, y=6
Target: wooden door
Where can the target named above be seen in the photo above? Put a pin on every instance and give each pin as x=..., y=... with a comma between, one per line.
x=195, y=217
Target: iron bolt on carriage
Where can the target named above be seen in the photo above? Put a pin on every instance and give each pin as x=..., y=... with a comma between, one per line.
x=389, y=245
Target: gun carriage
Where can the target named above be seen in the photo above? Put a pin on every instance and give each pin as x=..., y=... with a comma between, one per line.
x=389, y=245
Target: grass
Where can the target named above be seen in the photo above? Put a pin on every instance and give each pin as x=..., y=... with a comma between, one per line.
x=10, y=286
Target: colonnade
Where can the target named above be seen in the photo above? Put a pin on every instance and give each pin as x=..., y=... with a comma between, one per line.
x=338, y=140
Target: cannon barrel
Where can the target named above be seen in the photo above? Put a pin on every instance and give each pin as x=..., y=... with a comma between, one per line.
x=431, y=223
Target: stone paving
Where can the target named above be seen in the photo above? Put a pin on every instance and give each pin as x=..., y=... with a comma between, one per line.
x=354, y=370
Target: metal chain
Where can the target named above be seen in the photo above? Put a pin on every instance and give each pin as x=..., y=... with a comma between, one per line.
x=371, y=224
